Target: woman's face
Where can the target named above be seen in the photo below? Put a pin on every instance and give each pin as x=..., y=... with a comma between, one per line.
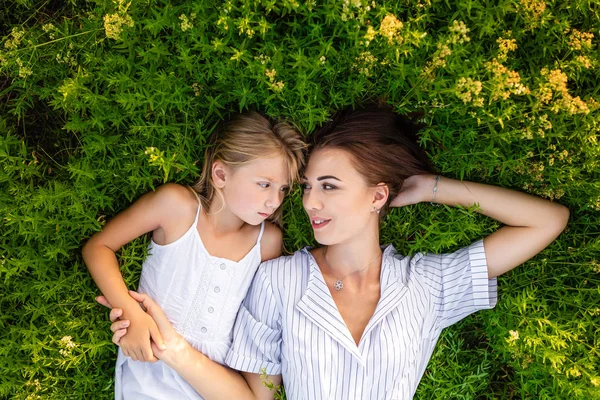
x=339, y=201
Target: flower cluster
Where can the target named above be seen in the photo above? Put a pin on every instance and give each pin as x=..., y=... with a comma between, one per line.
x=114, y=23
x=244, y=27
x=390, y=28
x=49, y=29
x=468, y=91
x=186, y=23
x=458, y=32
x=365, y=62
x=14, y=39
x=514, y=336
x=24, y=71
x=504, y=46
x=196, y=89
x=555, y=82
x=275, y=85
x=532, y=11
x=504, y=81
x=354, y=9
x=67, y=345
x=458, y=35
x=580, y=40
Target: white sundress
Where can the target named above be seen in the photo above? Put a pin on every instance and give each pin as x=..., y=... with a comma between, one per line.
x=200, y=295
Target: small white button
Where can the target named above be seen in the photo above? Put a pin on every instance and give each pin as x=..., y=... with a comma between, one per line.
x=217, y=289
x=223, y=266
x=211, y=310
x=203, y=329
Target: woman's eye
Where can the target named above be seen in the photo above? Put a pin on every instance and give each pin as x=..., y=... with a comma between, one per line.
x=328, y=187
x=305, y=186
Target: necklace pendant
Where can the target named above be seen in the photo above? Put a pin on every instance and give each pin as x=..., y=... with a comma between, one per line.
x=338, y=285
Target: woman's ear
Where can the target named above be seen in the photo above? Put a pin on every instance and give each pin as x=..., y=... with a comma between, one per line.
x=380, y=196
x=219, y=174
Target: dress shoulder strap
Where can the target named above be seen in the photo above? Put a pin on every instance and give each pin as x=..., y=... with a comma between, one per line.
x=262, y=229
x=199, y=204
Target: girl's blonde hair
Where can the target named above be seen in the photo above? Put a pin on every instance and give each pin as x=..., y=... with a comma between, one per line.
x=247, y=137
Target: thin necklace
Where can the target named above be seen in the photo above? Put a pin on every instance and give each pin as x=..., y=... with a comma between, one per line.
x=338, y=285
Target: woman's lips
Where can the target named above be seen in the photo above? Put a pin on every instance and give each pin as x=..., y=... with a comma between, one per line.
x=319, y=223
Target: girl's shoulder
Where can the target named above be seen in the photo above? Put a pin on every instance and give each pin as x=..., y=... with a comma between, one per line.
x=177, y=205
x=176, y=196
x=271, y=242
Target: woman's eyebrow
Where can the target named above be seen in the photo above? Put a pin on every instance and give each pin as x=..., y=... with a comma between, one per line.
x=328, y=177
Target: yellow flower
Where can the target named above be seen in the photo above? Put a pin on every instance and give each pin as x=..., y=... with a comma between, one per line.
x=580, y=40
x=459, y=31
x=467, y=90
x=185, y=23
x=390, y=28
x=113, y=24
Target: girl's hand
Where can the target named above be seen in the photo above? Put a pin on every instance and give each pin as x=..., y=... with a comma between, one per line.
x=174, y=345
x=416, y=189
x=142, y=332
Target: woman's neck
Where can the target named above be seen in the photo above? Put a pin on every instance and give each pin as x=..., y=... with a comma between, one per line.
x=359, y=257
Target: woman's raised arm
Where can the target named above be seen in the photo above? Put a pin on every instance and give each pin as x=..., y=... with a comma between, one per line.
x=532, y=223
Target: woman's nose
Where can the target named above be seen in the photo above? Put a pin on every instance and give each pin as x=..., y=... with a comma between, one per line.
x=311, y=201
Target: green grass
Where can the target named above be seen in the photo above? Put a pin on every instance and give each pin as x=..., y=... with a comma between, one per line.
x=79, y=110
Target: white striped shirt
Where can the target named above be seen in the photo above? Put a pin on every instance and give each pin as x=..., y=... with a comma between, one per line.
x=289, y=324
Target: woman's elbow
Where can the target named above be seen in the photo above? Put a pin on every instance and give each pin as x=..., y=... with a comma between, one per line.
x=560, y=219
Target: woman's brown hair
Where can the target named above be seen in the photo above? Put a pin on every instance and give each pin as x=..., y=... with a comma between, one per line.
x=382, y=144
x=247, y=137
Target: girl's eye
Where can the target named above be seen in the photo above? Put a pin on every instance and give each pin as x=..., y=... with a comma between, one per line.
x=264, y=185
x=285, y=189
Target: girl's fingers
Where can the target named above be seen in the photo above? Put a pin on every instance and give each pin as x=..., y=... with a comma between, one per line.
x=147, y=355
x=118, y=334
x=119, y=325
x=103, y=300
x=115, y=313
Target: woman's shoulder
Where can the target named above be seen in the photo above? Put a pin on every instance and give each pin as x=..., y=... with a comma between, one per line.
x=292, y=266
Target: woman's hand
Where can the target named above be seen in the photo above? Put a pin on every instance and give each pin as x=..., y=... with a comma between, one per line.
x=174, y=344
x=416, y=189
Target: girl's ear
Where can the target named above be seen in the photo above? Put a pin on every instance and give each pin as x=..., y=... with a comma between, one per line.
x=380, y=196
x=219, y=174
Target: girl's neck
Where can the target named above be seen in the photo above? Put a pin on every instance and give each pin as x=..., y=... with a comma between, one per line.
x=221, y=220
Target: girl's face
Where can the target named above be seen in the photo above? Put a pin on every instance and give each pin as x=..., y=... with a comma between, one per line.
x=255, y=190
x=339, y=201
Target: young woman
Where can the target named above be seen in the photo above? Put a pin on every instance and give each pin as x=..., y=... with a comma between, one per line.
x=350, y=320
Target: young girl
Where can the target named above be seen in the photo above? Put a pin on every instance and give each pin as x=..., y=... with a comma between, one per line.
x=207, y=242
x=350, y=319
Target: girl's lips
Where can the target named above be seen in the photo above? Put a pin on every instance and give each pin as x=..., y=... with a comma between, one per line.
x=264, y=215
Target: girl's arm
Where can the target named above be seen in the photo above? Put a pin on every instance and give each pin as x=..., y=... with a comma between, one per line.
x=151, y=212
x=532, y=223
x=210, y=379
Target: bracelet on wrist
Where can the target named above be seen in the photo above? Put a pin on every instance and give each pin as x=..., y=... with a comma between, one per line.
x=437, y=179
